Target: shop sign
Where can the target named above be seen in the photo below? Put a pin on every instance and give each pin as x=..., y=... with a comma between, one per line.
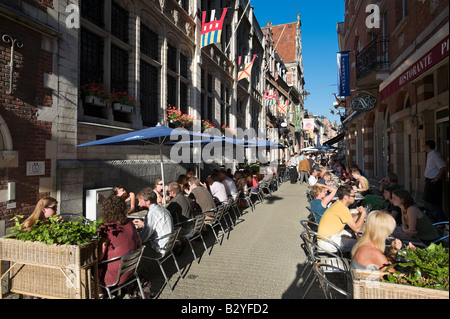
x=363, y=103
x=418, y=68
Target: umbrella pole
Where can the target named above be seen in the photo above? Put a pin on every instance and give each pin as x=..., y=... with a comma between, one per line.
x=162, y=173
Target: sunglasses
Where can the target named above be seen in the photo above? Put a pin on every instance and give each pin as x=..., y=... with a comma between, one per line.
x=351, y=195
x=52, y=207
x=160, y=184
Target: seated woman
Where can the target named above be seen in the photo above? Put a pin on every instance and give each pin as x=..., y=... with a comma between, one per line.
x=45, y=208
x=362, y=183
x=252, y=181
x=395, y=211
x=128, y=197
x=368, y=252
x=158, y=189
x=321, y=200
x=118, y=237
x=415, y=224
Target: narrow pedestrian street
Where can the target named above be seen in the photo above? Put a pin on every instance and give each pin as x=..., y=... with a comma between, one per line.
x=262, y=259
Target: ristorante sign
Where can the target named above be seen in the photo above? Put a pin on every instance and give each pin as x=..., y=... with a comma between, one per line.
x=426, y=62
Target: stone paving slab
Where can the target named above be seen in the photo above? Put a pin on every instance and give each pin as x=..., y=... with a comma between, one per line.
x=262, y=259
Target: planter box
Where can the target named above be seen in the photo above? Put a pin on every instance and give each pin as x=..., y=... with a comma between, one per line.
x=90, y=99
x=50, y=271
x=122, y=108
x=368, y=285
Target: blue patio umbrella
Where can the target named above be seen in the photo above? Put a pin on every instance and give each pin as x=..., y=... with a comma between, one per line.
x=158, y=135
x=254, y=142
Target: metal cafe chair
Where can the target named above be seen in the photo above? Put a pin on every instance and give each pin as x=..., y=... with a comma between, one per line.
x=331, y=286
x=247, y=198
x=316, y=254
x=313, y=215
x=196, y=232
x=309, y=225
x=443, y=233
x=128, y=262
x=265, y=186
x=216, y=221
x=234, y=204
x=168, y=252
x=226, y=213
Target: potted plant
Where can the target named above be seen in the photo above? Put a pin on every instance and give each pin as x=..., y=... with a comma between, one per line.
x=420, y=273
x=207, y=124
x=95, y=93
x=186, y=120
x=179, y=119
x=53, y=259
x=173, y=114
x=122, y=101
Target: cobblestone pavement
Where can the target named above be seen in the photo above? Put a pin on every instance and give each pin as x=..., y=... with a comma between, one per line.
x=262, y=259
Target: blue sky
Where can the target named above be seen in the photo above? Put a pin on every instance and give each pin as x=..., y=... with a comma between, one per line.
x=319, y=44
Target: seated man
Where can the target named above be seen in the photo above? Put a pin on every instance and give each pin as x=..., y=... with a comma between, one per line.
x=336, y=217
x=313, y=177
x=202, y=198
x=325, y=179
x=180, y=208
x=158, y=223
x=228, y=182
x=217, y=189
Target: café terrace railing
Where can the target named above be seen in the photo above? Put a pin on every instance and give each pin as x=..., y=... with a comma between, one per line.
x=373, y=57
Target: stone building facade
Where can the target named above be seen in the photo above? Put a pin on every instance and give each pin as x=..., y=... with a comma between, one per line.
x=150, y=50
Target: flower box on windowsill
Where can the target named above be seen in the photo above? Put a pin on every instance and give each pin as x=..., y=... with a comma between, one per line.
x=94, y=100
x=122, y=108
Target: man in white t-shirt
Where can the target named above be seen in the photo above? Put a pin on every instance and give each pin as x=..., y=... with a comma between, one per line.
x=217, y=189
x=434, y=170
x=313, y=177
x=229, y=184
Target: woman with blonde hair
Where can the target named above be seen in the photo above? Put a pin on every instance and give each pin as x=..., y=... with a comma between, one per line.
x=45, y=208
x=321, y=199
x=368, y=252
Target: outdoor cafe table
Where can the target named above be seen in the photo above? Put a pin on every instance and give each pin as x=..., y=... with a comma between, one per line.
x=139, y=215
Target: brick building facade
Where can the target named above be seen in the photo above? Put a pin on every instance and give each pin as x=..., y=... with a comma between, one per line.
x=403, y=64
x=26, y=164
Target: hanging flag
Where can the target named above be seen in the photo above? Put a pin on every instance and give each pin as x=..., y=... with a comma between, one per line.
x=212, y=30
x=270, y=99
x=245, y=69
x=343, y=62
x=283, y=107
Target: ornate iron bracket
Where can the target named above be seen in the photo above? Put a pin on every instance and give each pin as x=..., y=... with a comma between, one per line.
x=9, y=39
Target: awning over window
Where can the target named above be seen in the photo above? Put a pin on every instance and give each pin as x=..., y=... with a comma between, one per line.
x=335, y=139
